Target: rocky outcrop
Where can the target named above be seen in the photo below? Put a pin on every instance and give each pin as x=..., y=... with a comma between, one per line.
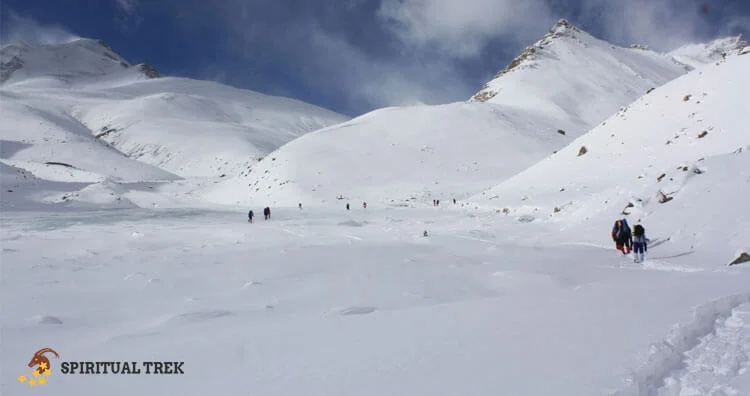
x=8, y=68
x=148, y=70
x=562, y=28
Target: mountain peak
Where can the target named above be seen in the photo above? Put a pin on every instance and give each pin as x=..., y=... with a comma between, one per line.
x=561, y=27
x=79, y=61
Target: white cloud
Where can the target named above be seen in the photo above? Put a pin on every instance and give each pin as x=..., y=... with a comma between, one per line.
x=29, y=31
x=129, y=19
x=463, y=28
x=127, y=6
x=366, y=80
x=663, y=25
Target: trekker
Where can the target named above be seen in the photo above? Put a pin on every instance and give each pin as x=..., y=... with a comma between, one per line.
x=250, y=216
x=364, y=205
x=640, y=243
x=454, y=201
x=300, y=207
x=622, y=236
x=347, y=206
x=267, y=213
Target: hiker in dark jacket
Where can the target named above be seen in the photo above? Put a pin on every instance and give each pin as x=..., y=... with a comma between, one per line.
x=640, y=243
x=622, y=236
x=267, y=213
x=250, y=216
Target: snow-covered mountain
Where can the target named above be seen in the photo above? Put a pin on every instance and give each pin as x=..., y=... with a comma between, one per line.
x=83, y=105
x=698, y=54
x=574, y=76
x=82, y=62
x=398, y=156
x=558, y=89
x=674, y=160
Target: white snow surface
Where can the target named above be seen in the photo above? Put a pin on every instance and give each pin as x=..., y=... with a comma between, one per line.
x=329, y=302
x=109, y=258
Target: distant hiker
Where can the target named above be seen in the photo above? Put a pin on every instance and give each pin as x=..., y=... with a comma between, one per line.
x=425, y=233
x=434, y=202
x=347, y=206
x=364, y=205
x=300, y=207
x=622, y=236
x=250, y=216
x=454, y=201
x=640, y=243
x=267, y=213
x=438, y=202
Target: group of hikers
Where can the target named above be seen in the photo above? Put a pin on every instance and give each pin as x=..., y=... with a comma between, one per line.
x=267, y=211
x=266, y=214
x=627, y=240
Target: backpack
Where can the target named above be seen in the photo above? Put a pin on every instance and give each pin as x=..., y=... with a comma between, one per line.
x=638, y=230
x=617, y=229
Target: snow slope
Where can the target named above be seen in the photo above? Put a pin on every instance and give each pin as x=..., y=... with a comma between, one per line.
x=577, y=77
x=79, y=113
x=698, y=54
x=687, y=140
x=81, y=62
x=564, y=85
x=398, y=156
x=185, y=127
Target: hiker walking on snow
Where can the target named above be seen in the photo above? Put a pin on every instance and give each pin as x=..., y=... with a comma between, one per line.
x=347, y=206
x=622, y=236
x=250, y=216
x=267, y=213
x=640, y=243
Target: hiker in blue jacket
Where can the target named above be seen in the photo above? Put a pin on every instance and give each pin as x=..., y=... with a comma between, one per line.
x=640, y=243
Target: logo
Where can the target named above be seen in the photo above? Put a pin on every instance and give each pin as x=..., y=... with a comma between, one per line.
x=44, y=370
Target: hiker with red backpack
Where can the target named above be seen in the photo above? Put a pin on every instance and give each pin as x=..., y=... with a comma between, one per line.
x=622, y=236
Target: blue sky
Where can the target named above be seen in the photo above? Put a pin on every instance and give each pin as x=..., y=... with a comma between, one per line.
x=353, y=56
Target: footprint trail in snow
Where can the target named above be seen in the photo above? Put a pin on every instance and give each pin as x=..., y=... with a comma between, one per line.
x=720, y=358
